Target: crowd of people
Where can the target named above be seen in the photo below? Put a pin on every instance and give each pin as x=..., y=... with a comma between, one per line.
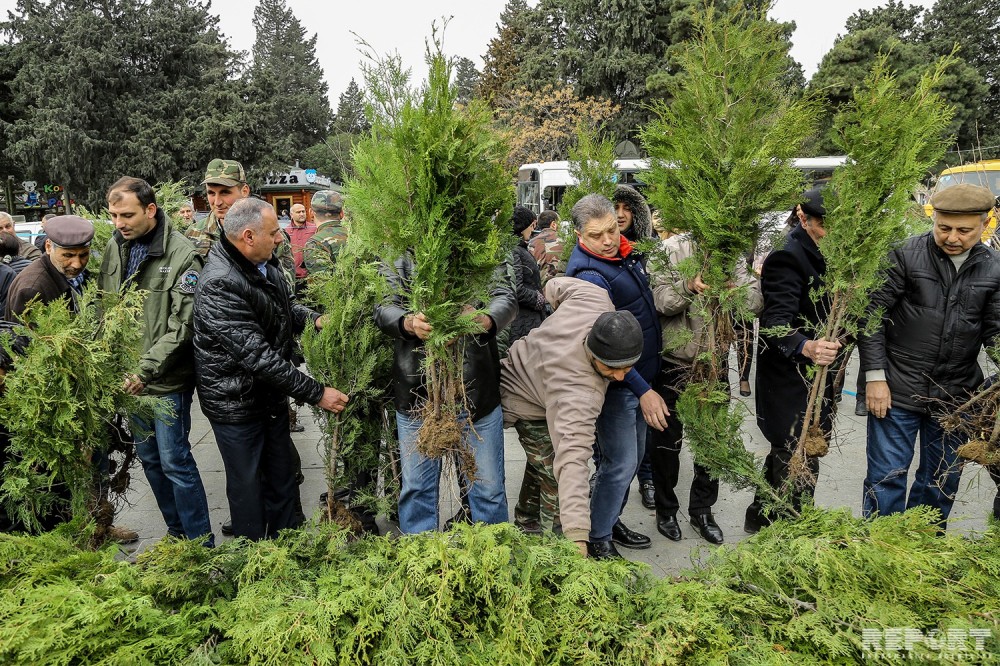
x=584, y=352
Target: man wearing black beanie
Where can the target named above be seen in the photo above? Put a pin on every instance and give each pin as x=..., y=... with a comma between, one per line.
x=552, y=388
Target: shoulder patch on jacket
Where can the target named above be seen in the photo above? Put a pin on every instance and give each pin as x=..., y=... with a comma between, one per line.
x=189, y=281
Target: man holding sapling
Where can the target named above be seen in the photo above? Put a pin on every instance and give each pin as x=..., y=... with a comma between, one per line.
x=418, y=498
x=939, y=305
x=553, y=383
x=605, y=258
x=147, y=253
x=684, y=338
x=789, y=280
x=244, y=323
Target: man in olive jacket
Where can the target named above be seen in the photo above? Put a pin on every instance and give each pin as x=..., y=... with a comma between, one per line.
x=145, y=252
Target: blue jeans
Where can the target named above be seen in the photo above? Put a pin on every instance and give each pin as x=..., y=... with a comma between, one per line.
x=621, y=444
x=891, y=442
x=172, y=472
x=418, y=498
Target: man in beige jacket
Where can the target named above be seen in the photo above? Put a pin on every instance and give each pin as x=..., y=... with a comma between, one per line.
x=679, y=304
x=552, y=387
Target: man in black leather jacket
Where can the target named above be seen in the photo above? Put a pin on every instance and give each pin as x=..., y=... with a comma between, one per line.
x=418, y=498
x=244, y=323
x=939, y=305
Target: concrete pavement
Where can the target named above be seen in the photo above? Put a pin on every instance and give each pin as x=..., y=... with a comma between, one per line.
x=841, y=474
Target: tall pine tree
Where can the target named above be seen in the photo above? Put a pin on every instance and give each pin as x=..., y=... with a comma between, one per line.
x=285, y=88
x=130, y=86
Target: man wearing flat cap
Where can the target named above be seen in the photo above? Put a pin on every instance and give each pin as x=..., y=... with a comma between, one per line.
x=552, y=388
x=62, y=270
x=939, y=305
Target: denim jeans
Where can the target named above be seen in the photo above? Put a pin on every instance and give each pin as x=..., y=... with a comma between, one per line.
x=261, y=468
x=418, y=498
x=891, y=442
x=621, y=444
x=172, y=472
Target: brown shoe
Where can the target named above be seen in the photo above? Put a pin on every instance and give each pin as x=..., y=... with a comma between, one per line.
x=122, y=535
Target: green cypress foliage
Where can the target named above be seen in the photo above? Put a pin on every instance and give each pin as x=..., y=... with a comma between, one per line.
x=60, y=397
x=797, y=593
x=351, y=354
x=893, y=138
x=429, y=181
x=721, y=157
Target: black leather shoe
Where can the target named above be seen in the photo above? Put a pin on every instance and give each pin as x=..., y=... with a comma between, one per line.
x=668, y=527
x=648, y=492
x=626, y=538
x=707, y=527
x=755, y=521
x=227, y=527
x=603, y=550
x=860, y=408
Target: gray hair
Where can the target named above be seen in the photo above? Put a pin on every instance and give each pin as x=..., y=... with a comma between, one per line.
x=245, y=214
x=4, y=215
x=592, y=206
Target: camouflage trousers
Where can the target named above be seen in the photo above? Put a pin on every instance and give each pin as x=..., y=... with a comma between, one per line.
x=538, y=500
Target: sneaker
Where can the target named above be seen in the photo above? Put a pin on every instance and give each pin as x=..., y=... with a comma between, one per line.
x=860, y=408
x=122, y=535
x=529, y=527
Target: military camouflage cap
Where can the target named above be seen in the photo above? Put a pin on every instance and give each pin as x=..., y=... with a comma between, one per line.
x=327, y=201
x=229, y=173
x=963, y=199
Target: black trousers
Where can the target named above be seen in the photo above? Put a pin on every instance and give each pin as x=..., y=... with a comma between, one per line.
x=261, y=464
x=664, y=449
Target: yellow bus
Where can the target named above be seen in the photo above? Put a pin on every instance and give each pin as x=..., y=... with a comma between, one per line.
x=985, y=173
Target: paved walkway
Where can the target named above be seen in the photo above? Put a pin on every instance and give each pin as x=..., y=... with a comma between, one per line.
x=841, y=474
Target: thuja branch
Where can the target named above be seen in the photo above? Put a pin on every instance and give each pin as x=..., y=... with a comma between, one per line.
x=892, y=138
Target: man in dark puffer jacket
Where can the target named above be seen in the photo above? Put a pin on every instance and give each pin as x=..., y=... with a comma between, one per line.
x=244, y=323
x=940, y=304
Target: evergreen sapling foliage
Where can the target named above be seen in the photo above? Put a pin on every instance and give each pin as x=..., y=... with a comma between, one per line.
x=429, y=183
x=721, y=154
x=353, y=355
x=59, y=401
x=892, y=139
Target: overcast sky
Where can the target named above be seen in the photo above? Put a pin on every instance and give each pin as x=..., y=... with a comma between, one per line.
x=404, y=24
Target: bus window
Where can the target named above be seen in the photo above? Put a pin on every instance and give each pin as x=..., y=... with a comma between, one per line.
x=527, y=189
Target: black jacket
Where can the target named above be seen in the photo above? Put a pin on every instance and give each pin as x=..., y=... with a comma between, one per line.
x=528, y=288
x=243, y=331
x=788, y=280
x=934, y=322
x=482, y=361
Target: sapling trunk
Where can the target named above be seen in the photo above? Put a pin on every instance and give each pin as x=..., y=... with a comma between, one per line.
x=891, y=138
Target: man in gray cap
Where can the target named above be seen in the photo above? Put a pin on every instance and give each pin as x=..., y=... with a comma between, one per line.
x=939, y=305
x=62, y=270
x=321, y=250
x=552, y=388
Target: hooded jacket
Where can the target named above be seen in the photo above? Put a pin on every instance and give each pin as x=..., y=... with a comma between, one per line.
x=642, y=218
x=244, y=327
x=548, y=376
x=934, y=322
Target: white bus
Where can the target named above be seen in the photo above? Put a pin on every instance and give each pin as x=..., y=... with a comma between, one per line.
x=541, y=185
